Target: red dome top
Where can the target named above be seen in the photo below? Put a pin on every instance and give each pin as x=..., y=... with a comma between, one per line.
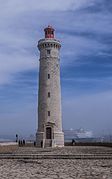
x=49, y=32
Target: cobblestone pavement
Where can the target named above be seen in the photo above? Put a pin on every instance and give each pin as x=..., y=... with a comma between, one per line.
x=69, y=150
x=55, y=169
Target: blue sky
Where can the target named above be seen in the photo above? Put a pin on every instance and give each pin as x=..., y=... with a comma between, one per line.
x=84, y=28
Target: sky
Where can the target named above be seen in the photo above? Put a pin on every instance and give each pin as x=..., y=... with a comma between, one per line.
x=84, y=28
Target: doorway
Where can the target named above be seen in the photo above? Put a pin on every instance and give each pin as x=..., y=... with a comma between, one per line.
x=48, y=133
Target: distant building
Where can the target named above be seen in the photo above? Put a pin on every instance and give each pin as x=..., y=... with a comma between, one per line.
x=81, y=133
x=77, y=134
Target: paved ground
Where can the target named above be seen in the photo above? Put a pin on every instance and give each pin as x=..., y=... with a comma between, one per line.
x=69, y=150
x=56, y=169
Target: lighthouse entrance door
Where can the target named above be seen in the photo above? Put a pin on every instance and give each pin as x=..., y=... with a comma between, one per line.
x=48, y=133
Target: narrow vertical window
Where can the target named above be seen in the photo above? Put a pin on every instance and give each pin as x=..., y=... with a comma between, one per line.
x=48, y=113
x=48, y=94
x=48, y=52
x=48, y=76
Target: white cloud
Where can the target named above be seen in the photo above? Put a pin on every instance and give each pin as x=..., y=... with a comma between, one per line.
x=75, y=46
x=14, y=6
x=10, y=65
x=16, y=39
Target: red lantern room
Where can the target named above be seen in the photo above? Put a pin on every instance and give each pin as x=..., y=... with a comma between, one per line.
x=49, y=32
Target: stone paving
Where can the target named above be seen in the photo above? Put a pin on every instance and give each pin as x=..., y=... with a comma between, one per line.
x=56, y=169
x=68, y=150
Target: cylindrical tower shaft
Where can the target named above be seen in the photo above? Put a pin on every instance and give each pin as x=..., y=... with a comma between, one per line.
x=49, y=95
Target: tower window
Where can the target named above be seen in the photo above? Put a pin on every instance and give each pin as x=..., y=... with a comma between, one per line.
x=48, y=76
x=48, y=113
x=48, y=94
x=48, y=52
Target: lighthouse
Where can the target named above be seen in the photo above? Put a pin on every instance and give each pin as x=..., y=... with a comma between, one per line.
x=49, y=132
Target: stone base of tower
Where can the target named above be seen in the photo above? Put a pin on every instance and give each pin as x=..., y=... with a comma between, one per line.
x=39, y=139
x=57, y=141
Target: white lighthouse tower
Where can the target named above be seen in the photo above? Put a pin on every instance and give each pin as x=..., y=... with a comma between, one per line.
x=49, y=133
